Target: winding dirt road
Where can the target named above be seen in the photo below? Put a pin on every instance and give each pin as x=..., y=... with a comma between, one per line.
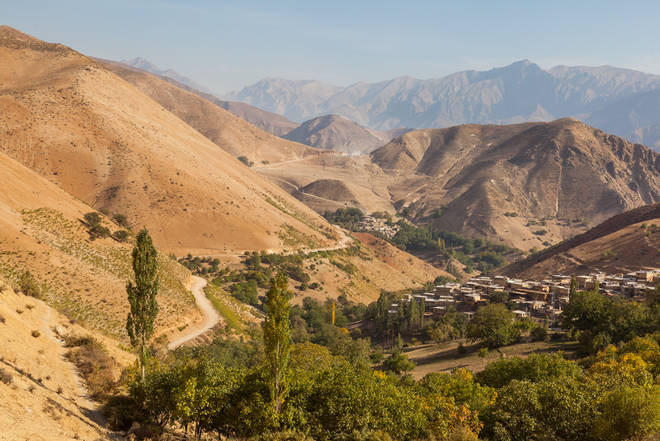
x=211, y=316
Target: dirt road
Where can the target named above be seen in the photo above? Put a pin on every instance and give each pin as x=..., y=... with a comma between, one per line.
x=211, y=317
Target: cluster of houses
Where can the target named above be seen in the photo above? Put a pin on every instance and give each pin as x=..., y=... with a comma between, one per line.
x=540, y=301
x=370, y=223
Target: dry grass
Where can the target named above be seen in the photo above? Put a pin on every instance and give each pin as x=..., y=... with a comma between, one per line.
x=94, y=364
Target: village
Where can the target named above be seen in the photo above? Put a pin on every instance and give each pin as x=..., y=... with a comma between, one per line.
x=541, y=301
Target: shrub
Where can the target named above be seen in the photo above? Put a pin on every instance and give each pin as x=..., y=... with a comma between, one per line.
x=511, y=214
x=541, y=232
x=120, y=235
x=35, y=333
x=99, y=231
x=120, y=220
x=483, y=352
x=5, y=377
x=539, y=333
x=92, y=218
x=245, y=160
x=398, y=363
x=28, y=285
x=94, y=364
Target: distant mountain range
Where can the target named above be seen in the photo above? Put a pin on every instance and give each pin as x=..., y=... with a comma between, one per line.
x=141, y=63
x=620, y=101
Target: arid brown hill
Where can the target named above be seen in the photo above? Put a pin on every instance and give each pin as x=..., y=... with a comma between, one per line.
x=225, y=129
x=107, y=143
x=527, y=184
x=627, y=241
x=334, y=132
x=268, y=121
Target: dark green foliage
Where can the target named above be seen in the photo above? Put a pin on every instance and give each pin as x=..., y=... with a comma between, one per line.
x=600, y=320
x=344, y=217
x=120, y=235
x=92, y=218
x=277, y=339
x=99, y=231
x=245, y=160
x=539, y=333
x=246, y=292
x=398, y=363
x=142, y=296
x=536, y=368
x=120, y=220
x=494, y=325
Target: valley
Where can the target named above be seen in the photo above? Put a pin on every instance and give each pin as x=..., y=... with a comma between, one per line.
x=301, y=261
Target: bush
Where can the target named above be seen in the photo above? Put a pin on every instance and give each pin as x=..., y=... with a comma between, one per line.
x=35, y=333
x=120, y=220
x=246, y=292
x=98, y=231
x=539, y=333
x=28, y=285
x=541, y=232
x=94, y=364
x=245, y=160
x=120, y=235
x=398, y=363
x=5, y=377
x=92, y=219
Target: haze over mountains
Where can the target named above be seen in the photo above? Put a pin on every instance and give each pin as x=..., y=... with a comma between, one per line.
x=619, y=101
x=461, y=179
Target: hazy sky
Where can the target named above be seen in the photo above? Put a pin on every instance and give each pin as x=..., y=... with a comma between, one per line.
x=227, y=45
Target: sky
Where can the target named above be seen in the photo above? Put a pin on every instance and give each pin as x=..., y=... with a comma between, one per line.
x=226, y=45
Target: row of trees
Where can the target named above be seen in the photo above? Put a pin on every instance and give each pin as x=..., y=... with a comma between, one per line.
x=303, y=391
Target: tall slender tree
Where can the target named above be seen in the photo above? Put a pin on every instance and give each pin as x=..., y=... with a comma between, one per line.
x=277, y=339
x=573, y=289
x=142, y=296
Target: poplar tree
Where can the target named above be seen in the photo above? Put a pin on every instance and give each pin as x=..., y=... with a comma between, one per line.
x=277, y=339
x=573, y=289
x=142, y=296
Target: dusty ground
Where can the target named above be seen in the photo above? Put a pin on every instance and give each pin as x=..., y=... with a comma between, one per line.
x=46, y=399
x=445, y=357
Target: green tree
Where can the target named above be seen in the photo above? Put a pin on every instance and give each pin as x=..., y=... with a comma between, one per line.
x=277, y=339
x=494, y=325
x=398, y=363
x=142, y=296
x=629, y=413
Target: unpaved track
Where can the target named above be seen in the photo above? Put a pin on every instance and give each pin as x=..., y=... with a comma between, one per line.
x=211, y=317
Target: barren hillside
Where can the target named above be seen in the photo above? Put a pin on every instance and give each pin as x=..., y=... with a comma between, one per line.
x=42, y=231
x=334, y=132
x=526, y=184
x=228, y=131
x=41, y=394
x=625, y=242
x=104, y=141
